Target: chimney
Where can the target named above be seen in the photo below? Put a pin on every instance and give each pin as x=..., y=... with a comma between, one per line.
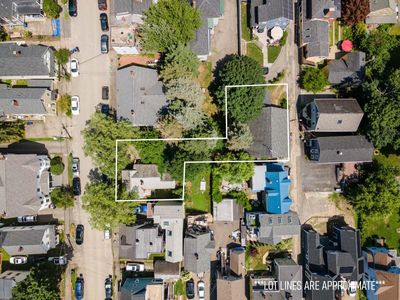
x=16, y=52
x=15, y=103
x=339, y=152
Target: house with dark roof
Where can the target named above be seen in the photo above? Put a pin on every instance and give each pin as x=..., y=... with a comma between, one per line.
x=140, y=95
x=18, y=12
x=270, y=13
x=332, y=115
x=167, y=271
x=383, y=12
x=340, y=149
x=211, y=11
x=270, y=134
x=25, y=104
x=131, y=10
x=24, y=184
x=198, y=248
x=142, y=288
x=26, y=61
x=28, y=240
x=8, y=280
x=382, y=266
x=139, y=241
x=349, y=70
x=286, y=271
x=226, y=210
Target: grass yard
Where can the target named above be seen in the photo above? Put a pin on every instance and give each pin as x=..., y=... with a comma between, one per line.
x=195, y=199
x=255, y=262
x=180, y=289
x=273, y=53
x=255, y=53
x=244, y=19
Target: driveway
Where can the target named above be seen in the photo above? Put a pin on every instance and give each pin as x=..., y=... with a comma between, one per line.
x=94, y=258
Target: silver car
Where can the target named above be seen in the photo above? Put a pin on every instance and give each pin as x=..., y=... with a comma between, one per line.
x=27, y=219
x=75, y=167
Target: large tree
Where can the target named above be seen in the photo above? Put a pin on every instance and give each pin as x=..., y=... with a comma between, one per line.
x=234, y=171
x=51, y=9
x=244, y=103
x=11, y=131
x=105, y=212
x=168, y=23
x=313, y=80
x=62, y=197
x=354, y=11
x=239, y=137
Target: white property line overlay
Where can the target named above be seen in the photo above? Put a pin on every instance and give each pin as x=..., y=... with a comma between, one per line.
x=205, y=139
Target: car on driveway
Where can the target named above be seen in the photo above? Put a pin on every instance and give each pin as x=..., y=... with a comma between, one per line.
x=18, y=260
x=79, y=234
x=59, y=260
x=72, y=8
x=102, y=4
x=75, y=167
x=79, y=287
x=104, y=44
x=108, y=288
x=190, y=289
x=76, y=186
x=201, y=290
x=104, y=22
x=134, y=267
x=27, y=219
x=74, y=67
x=75, y=105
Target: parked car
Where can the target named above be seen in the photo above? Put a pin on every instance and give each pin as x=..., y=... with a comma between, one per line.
x=107, y=234
x=75, y=107
x=190, y=289
x=102, y=4
x=79, y=234
x=76, y=186
x=134, y=267
x=27, y=219
x=104, y=92
x=352, y=290
x=60, y=260
x=18, y=260
x=72, y=8
x=74, y=67
x=79, y=287
x=104, y=22
x=108, y=288
x=75, y=167
x=201, y=290
x=104, y=44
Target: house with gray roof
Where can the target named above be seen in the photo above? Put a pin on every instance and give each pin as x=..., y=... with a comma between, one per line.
x=383, y=12
x=139, y=241
x=170, y=216
x=25, y=104
x=231, y=287
x=17, y=12
x=142, y=288
x=332, y=115
x=349, y=70
x=140, y=95
x=272, y=228
x=270, y=13
x=26, y=61
x=131, y=10
x=145, y=179
x=226, y=210
x=211, y=11
x=340, y=149
x=270, y=134
x=28, y=240
x=198, y=249
x=24, y=184
x=8, y=280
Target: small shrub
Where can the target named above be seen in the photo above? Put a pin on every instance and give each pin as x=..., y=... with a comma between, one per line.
x=56, y=165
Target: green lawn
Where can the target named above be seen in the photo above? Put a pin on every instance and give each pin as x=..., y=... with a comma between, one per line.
x=273, y=53
x=180, y=288
x=246, y=33
x=196, y=199
x=255, y=52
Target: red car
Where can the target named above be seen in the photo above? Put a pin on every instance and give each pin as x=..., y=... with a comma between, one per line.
x=102, y=4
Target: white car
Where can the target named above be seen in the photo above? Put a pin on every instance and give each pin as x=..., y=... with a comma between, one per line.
x=18, y=260
x=59, y=260
x=107, y=234
x=75, y=105
x=352, y=290
x=201, y=290
x=74, y=67
x=75, y=167
x=27, y=219
x=134, y=267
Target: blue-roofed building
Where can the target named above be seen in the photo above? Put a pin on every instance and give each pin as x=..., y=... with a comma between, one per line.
x=277, y=200
x=142, y=288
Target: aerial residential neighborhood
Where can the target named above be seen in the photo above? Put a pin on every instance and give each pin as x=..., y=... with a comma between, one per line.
x=199, y=149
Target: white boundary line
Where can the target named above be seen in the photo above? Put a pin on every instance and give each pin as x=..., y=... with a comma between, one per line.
x=205, y=139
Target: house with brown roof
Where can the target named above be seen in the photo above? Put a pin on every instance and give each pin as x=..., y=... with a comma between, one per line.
x=230, y=287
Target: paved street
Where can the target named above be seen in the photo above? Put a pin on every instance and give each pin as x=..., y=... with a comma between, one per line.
x=94, y=257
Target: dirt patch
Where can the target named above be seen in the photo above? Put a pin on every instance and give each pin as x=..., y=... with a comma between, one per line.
x=141, y=59
x=278, y=93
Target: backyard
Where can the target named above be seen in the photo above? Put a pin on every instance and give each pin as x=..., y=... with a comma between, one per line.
x=196, y=199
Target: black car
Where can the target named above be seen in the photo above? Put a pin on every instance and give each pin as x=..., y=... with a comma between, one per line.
x=104, y=44
x=79, y=234
x=190, y=289
x=108, y=288
x=102, y=4
x=104, y=22
x=76, y=186
x=105, y=109
x=72, y=8
x=104, y=92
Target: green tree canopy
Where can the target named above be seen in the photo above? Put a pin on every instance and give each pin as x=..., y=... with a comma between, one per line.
x=313, y=80
x=11, y=131
x=63, y=105
x=241, y=199
x=235, y=172
x=169, y=23
x=56, y=165
x=239, y=137
x=62, y=56
x=244, y=103
x=99, y=202
x=51, y=8
x=62, y=197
